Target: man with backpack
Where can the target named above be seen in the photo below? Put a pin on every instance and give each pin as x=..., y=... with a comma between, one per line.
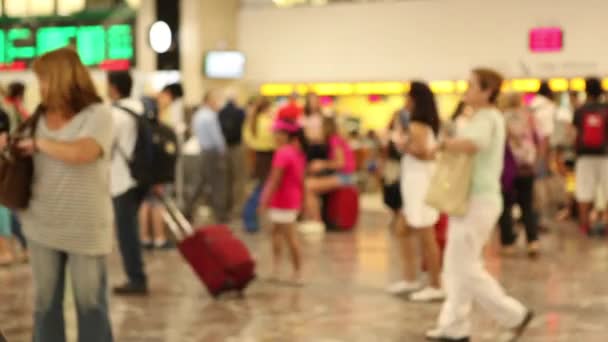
x=127, y=194
x=232, y=118
x=591, y=124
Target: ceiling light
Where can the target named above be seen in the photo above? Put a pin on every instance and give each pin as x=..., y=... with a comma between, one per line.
x=68, y=7
x=160, y=37
x=134, y=4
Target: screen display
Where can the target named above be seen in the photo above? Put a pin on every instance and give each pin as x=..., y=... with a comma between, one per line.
x=224, y=64
x=105, y=46
x=546, y=39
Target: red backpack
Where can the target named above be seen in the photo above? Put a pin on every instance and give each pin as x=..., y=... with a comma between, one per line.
x=593, y=134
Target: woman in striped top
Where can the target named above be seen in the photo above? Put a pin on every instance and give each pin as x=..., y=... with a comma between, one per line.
x=69, y=221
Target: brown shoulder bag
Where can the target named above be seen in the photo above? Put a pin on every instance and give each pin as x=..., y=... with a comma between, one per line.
x=17, y=170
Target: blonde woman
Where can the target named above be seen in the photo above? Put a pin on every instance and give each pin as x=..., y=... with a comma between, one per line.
x=69, y=221
x=258, y=136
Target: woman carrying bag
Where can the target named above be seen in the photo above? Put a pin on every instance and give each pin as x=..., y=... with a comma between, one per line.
x=521, y=142
x=466, y=281
x=417, y=168
x=68, y=221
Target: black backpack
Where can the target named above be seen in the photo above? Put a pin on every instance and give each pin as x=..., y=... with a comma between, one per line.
x=155, y=153
x=231, y=120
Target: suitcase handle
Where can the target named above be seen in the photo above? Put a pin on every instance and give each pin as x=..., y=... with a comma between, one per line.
x=177, y=222
x=180, y=235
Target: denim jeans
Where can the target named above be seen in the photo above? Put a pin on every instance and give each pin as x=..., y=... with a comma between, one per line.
x=89, y=283
x=17, y=232
x=126, y=208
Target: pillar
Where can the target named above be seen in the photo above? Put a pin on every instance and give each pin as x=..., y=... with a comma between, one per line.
x=205, y=25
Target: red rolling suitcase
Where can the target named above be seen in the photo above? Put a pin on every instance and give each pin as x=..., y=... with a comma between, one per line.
x=343, y=208
x=218, y=258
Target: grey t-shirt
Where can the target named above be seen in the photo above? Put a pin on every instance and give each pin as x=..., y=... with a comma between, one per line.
x=71, y=208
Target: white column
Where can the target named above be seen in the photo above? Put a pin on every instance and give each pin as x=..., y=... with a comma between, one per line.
x=191, y=50
x=146, y=16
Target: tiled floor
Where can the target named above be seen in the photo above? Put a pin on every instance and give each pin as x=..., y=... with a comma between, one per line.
x=343, y=299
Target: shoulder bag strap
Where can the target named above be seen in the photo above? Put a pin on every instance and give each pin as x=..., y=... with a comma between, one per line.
x=116, y=145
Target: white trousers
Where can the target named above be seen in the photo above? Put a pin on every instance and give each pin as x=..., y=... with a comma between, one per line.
x=465, y=278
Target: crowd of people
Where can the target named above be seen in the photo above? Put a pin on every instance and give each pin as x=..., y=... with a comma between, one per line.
x=527, y=151
x=84, y=188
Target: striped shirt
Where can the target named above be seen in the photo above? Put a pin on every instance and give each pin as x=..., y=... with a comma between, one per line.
x=71, y=208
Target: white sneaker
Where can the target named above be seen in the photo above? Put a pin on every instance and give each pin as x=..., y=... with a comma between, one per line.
x=403, y=287
x=311, y=227
x=437, y=335
x=434, y=334
x=428, y=294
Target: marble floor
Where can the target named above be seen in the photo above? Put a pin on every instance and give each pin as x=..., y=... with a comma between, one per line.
x=343, y=298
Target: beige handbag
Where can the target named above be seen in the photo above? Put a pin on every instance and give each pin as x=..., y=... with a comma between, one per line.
x=451, y=184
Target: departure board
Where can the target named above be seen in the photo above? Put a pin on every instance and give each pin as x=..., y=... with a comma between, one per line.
x=104, y=46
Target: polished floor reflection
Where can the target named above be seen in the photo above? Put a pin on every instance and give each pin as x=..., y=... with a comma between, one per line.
x=343, y=298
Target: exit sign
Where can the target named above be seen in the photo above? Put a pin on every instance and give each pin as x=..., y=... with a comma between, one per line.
x=546, y=39
x=104, y=46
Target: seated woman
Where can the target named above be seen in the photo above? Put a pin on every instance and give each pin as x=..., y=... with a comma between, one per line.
x=312, y=122
x=331, y=174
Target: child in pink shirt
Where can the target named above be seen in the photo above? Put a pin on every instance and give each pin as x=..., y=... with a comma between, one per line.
x=283, y=194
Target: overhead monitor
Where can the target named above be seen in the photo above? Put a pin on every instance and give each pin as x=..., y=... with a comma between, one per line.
x=224, y=65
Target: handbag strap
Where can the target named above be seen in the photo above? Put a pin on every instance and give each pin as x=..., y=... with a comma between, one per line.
x=31, y=123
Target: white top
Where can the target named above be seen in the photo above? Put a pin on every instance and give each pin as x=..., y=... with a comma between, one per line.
x=125, y=135
x=416, y=176
x=177, y=117
x=564, y=114
x=431, y=143
x=71, y=206
x=544, y=115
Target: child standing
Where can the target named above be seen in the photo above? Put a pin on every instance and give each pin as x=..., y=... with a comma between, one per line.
x=283, y=194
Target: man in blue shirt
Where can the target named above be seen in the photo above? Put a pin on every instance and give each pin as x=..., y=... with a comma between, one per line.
x=213, y=184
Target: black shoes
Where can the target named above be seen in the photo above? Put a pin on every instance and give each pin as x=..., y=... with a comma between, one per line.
x=436, y=335
x=515, y=334
x=148, y=246
x=519, y=330
x=449, y=339
x=130, y=289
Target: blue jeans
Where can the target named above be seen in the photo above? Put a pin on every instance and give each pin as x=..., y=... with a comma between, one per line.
x=126, y=208
x=17, y=232
x=89, y=283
